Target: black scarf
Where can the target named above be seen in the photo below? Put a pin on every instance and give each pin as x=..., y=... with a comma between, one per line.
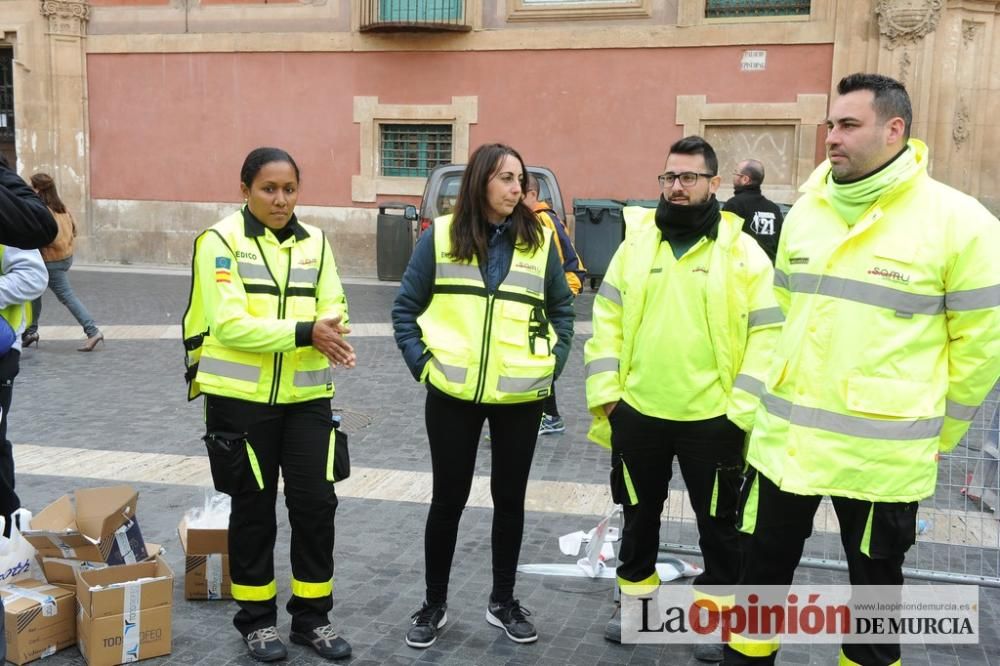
x=687, y=224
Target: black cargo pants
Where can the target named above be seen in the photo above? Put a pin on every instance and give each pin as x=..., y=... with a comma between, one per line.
x=774, y=527
x=252, y=442
x=710, y=454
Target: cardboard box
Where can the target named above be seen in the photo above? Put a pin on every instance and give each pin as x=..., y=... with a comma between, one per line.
x=39, y=620
x=100, y=528
x=124, y=612
x=61, y=571
x=206, y=562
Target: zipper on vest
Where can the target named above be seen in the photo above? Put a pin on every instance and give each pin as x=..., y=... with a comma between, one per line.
x=276, y=367
x=484, y=352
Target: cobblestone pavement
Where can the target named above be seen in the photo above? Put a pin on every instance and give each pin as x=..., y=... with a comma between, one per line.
x=124, y=406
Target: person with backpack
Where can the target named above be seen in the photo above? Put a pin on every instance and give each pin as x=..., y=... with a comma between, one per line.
x=552, y=422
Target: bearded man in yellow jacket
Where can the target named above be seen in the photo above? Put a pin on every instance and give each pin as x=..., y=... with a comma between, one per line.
x=685, y=324
x=891, y=292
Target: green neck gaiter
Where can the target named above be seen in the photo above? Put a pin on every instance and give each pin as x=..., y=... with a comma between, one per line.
x=852, y=199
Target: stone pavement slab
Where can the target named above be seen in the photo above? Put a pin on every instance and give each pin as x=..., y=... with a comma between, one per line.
x=125, y=405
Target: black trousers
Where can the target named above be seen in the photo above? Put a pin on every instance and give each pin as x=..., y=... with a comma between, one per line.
x=9, y=501
x=784, y=521
x=453, y=428
x=549, y=405
x=710, y=454
x=294, y=439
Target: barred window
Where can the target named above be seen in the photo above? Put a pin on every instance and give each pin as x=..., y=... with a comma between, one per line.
x=420, y=10
x=741, y=8
x=413, y=150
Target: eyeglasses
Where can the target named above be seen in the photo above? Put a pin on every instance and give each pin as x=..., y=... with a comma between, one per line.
x=688, y=178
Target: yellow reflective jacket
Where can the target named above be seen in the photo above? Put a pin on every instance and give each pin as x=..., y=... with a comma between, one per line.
x=248, y=293
x=492, y=348
x=742, y=314
x=892, y=340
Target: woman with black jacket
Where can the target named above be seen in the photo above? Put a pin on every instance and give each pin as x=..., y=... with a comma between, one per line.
x=484, y=317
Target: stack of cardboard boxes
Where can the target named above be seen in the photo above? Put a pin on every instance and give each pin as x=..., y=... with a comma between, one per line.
x=90, y=547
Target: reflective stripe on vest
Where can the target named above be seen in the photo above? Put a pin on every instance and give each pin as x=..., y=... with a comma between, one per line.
x=492, y=348
x=13, y=314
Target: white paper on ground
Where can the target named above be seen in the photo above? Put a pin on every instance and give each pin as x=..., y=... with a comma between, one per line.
x=570, y=543
x=670, y=569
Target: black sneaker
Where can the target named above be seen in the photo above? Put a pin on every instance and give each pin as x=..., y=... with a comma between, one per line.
x=265, y=644
x=324, y=640
x=426, y=623
x=513, y=619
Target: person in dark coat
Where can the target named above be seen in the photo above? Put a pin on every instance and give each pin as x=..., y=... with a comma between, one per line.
x=762, y=217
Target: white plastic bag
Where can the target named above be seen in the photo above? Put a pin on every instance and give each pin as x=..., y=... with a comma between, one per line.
x=16, y=554
x=214, y=514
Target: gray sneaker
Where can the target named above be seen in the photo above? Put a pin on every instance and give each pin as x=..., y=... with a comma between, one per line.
x=324, y=640
x=265, y=644
x=613, y=632
x=708, y=652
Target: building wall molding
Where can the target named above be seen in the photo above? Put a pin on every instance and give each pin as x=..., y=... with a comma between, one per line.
x=804, y=116
x=369, y=114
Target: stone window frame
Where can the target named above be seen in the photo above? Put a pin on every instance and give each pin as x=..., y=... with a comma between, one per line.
x=369, y=113
x=807, y=114
x=561, y=10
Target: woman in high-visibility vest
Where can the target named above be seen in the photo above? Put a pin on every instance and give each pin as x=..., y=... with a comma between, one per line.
x=484, y=317
x=266, y=321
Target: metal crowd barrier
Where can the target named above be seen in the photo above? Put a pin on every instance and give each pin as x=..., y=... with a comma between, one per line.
x=958, y=529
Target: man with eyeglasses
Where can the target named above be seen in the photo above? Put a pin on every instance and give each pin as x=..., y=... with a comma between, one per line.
x=891, y=287
x=685, y=324
x=761, y=217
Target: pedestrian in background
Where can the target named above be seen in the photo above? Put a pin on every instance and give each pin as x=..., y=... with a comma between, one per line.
x=484, y=317
x=58, y=257
x=552, y=422
x=265, y=322
x=762, y=217
x=891, y=288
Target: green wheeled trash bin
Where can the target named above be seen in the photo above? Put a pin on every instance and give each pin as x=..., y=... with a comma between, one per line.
x=600, y=229
x=394, y=239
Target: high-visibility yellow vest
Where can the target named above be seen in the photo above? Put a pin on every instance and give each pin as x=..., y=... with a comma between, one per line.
x=892, y=340
x=492, y=348
x=742, y=313
x=15, y=313
x=255, y=276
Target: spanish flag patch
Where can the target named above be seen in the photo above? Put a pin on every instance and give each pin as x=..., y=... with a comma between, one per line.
x=222, y=272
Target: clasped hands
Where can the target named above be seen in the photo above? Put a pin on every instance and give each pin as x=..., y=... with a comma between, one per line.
x=328, y=339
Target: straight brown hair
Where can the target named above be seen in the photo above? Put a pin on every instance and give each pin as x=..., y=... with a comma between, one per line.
x=470, y=226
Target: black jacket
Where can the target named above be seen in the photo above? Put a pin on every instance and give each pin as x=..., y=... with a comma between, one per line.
x=25, y=222
x=762, y=217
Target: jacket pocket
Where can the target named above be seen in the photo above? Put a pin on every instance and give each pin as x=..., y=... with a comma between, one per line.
x=311, y=374
x=235, y=469
x=890, y=397
x=512, y=326
x=520, y=375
